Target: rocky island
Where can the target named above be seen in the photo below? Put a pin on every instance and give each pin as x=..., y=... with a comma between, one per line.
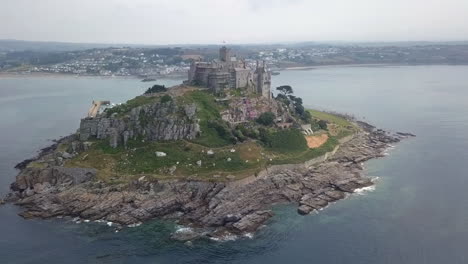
x=214, y=154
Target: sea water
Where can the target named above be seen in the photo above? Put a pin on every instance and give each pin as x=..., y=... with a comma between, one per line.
x=417, y=212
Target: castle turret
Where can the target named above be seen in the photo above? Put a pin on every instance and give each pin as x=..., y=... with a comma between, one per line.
x=224, y=54
x=263, y=80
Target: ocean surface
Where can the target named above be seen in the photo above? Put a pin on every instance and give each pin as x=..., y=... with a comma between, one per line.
x=418, y=212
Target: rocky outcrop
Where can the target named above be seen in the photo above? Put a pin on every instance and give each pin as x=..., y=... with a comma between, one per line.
x=157, y=121
x=210, y=208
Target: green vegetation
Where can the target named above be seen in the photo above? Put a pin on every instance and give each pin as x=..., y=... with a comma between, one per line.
x=223, y=130
x=322, y=124
x=238, y=151
x=166, y=98
x=295, y=158
x=286, y=97
x=182, y=159
x=284, y=141
x=285, y=90
x=156, y=89
x=211, y=124
x=330, y=118
x=124, y=108
x=236, y=92
x=338, y=126
x=266, y=119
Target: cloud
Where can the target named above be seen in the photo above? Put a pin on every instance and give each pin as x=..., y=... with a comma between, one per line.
x=236, y=21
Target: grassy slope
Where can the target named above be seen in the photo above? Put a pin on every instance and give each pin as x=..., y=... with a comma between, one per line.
x=207, y=110
x=116, y=165
x=123, y=109
x=340, y=126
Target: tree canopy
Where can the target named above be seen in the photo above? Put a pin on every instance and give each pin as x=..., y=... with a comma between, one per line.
x=156, y=89
x=285, y=89
x=266, y=119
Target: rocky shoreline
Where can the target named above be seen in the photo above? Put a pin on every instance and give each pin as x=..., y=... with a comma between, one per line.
x=211, y=209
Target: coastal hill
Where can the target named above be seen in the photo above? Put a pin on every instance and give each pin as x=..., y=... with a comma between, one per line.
x=187, y=132
x=216, y=162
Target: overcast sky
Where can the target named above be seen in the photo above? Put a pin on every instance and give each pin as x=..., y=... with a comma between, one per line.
x=233, y=21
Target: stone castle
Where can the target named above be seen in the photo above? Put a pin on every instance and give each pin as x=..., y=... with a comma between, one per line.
x=228, y=72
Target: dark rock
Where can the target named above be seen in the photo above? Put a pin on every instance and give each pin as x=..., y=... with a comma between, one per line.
x=66, y=155
x=186, y=234
x=231, y=218
x=252, y=221
x=405, y=134
x=304, y=209
x=221, y=207
x=157, y=121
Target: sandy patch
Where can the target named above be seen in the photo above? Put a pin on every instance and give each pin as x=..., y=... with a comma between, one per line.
x=316, y=141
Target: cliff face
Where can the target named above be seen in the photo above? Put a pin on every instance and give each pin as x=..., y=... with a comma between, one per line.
x=157, y=121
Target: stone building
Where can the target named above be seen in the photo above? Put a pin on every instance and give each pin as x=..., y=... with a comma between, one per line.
x=228, y=72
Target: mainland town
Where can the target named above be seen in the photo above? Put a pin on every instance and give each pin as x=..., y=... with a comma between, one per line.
x=174, y=61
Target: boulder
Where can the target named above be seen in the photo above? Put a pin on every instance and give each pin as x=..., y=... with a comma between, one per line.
x=304, y=209
x=160, y=154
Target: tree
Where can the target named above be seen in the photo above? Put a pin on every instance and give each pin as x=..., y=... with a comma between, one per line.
x=299, y=109
x=295, y=100
x=266, y=119
x=285, y=89
x=166, y=98
x=323, y=124
x=156, y=89
x=307, y=117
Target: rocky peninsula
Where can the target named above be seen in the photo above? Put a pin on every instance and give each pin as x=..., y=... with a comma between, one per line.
x=101, y=172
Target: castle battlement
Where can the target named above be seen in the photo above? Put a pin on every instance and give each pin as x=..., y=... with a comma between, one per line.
x=227, y=72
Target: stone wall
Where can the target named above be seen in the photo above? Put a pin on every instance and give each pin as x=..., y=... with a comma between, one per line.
x=156, y=122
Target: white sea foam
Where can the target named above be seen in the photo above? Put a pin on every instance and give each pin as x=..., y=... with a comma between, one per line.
x=375, y=179
x=109, y=223
x=364, y=190
x=134, y=225
x=183, y=229
x=227, y=237
x=249, y=235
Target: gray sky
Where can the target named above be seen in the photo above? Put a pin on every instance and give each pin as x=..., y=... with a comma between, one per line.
x=233, y=21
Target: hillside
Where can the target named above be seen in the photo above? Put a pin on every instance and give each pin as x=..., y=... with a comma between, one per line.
x=182, y=133
x=214, y=163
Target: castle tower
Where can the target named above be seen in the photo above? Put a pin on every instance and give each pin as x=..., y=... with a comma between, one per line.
x=263, y=80
x=224, y=54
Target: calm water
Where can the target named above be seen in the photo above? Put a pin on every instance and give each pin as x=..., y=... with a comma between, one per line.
x=417, y=214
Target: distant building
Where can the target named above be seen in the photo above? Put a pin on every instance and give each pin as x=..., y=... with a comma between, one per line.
x=227, y=72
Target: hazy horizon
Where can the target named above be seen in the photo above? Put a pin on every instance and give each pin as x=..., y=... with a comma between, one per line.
x=164, y=22
x=331, y=42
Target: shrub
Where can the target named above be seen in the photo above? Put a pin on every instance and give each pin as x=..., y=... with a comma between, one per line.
x=265, y=136
x=289, y=140
x=166, y=98
x=266, y=119
x=239, y=135
x=285, y=89
x=156, y=89
x=222, y=129
x=322, y=124
x=248, y=131
x=306, y=117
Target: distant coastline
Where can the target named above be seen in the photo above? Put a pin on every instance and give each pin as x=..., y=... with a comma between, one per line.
x=179, y=76
x=296, y=68
x=6, y=75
